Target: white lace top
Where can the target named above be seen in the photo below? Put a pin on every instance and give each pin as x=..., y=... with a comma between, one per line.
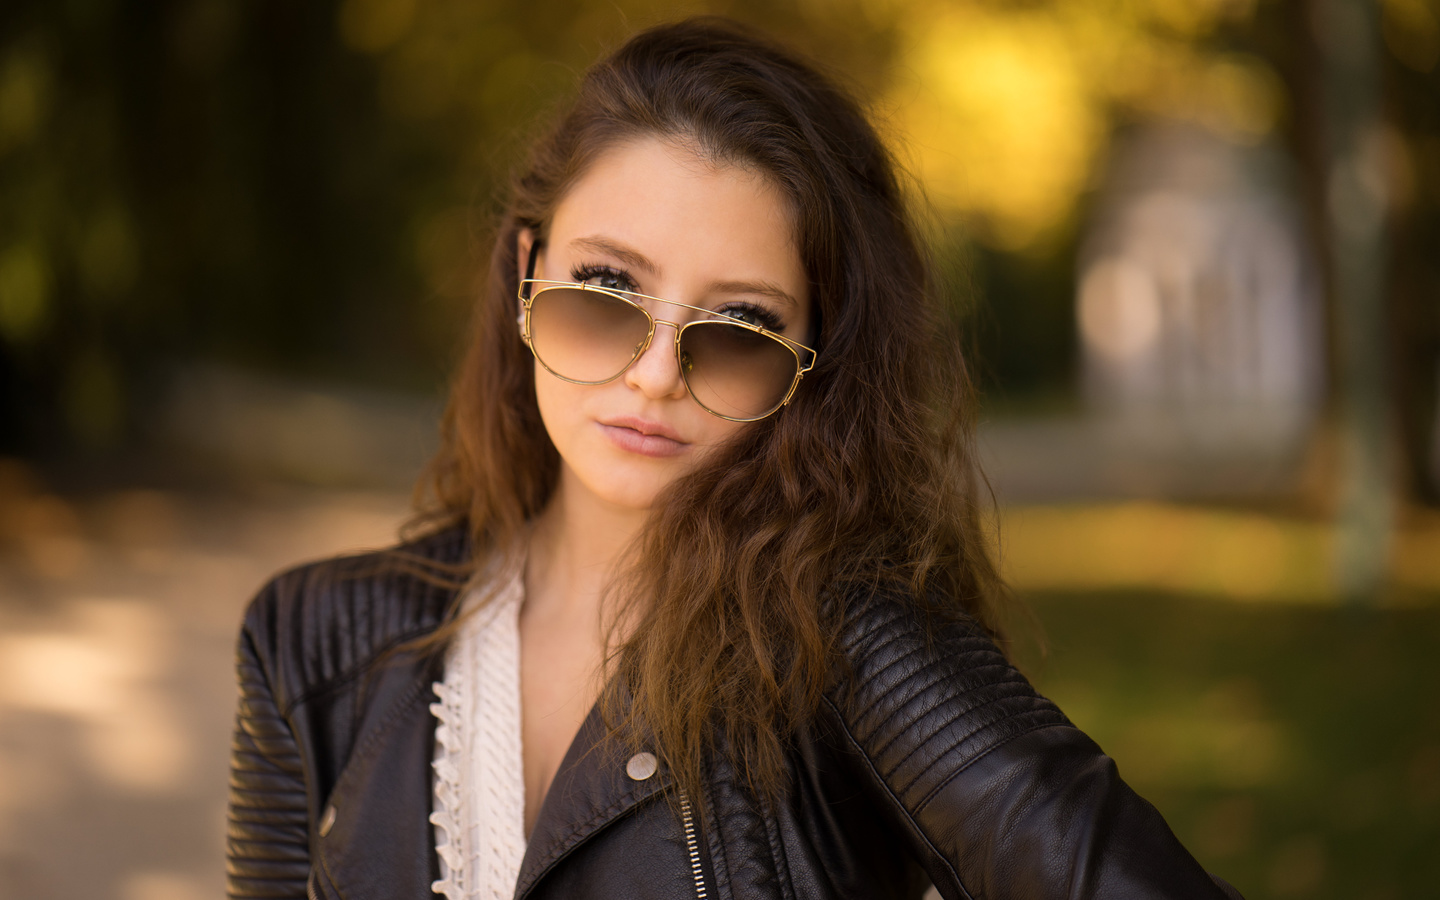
x=479, y=804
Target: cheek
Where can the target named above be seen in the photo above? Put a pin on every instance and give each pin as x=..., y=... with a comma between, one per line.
x=712, y=430
x=558, y=409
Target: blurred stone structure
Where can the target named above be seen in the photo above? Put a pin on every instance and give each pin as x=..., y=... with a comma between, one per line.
x=1198, y=307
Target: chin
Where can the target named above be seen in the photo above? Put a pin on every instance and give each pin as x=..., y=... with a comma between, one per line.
x=638, y=495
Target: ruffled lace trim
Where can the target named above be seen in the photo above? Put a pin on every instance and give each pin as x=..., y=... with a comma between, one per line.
x=479, y=806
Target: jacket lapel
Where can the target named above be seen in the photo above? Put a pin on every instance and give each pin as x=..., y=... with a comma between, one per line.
x=375, y=840
x=591, y=789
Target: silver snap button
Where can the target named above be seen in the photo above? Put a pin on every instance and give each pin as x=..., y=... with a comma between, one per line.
x=327, y=819
x=641, y=766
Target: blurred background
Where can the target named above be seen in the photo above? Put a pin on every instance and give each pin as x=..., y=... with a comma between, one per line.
x=1194, y=245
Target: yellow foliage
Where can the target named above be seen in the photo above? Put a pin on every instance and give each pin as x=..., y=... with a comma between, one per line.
x=1412, y=32
x=1243, y=97
x=374, y=25
x=24, y=292
x=1003, y=109
x=1192, y=18
x=109, y=255
x=999, y=118
x=1223, y=553
x=1006, y=111
x=24, y=95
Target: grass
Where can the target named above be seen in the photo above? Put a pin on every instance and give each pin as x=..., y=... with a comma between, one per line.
x=1246, y=555
x=1294, y=748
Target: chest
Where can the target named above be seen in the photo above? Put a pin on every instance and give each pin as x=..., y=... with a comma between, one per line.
x=559, y=682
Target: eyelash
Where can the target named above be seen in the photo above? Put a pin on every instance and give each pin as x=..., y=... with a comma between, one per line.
x=583, y=275
x=757, y=315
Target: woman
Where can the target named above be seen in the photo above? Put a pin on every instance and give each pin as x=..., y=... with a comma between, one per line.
x=703, y=606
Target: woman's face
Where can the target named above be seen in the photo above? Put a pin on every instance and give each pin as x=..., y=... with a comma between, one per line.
x=653, y=217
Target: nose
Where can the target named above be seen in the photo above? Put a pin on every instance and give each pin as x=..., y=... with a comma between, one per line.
x=656, y=374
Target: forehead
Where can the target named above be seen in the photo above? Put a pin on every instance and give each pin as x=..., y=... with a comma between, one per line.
x=683, y=210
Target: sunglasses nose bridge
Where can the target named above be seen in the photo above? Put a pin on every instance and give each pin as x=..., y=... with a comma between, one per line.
x=677, y=327
x=680, y=362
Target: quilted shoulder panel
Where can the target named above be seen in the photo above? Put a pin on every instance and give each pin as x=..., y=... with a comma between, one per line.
x=924, y=703
x=266, y=835
x=319, y=624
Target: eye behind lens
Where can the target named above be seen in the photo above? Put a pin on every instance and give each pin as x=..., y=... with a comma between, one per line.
x=736, y=372
x=586, y=336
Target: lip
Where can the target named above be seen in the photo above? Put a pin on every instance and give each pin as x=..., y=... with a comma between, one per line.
x=643, y=437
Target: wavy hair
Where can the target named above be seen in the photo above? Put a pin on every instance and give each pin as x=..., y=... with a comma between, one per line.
x=866, y=481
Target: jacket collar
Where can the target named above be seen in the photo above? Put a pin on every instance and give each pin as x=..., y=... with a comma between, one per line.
x=592, y=788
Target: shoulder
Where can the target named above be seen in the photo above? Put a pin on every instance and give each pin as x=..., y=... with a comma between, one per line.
x=998, y=793
x=921, y=705
x=321, y=622
x=915, y=687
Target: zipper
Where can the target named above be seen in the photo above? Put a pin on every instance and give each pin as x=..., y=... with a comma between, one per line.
x=693, y=846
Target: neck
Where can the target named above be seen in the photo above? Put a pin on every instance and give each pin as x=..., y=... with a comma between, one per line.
x=575, y=546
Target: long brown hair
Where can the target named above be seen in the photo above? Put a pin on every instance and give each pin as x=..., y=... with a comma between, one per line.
x=865, y=482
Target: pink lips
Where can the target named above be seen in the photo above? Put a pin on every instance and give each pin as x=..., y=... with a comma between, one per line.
x=642, y=437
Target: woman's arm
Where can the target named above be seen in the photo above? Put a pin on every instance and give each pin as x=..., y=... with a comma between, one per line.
x=998, y=794
x=267, y=841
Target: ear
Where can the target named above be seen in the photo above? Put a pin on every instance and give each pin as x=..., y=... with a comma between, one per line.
x=523, y=242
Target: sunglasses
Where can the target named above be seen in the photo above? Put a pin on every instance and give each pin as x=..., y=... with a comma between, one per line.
x=586, y=334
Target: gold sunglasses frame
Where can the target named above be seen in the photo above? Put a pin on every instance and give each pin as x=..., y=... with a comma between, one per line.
x=530, y=290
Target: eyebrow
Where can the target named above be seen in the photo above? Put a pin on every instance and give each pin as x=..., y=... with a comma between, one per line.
x=638, y=260
x=630, y=257
x=762, y=288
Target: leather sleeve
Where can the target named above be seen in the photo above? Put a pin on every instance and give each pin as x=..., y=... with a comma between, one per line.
x=997, y=793
x=267, y=844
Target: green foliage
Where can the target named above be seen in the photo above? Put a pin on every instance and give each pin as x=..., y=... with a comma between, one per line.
x=1295, y=750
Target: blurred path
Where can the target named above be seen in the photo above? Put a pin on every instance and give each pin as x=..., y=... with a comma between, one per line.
x=118, y=616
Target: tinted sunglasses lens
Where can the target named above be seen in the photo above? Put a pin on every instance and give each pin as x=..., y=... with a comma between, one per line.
x=585, y=335
x=733, y=371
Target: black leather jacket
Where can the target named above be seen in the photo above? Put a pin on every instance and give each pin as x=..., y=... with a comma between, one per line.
x=936, y=762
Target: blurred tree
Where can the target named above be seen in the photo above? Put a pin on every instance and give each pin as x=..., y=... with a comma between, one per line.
x=1366, y=115
x=1346, y=135
x=190, y=181
x=1410, y=157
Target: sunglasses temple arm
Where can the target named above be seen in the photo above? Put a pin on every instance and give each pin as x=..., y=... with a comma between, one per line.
x=529, y=270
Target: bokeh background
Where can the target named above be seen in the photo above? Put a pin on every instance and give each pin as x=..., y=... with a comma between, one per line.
x=1194, y=244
